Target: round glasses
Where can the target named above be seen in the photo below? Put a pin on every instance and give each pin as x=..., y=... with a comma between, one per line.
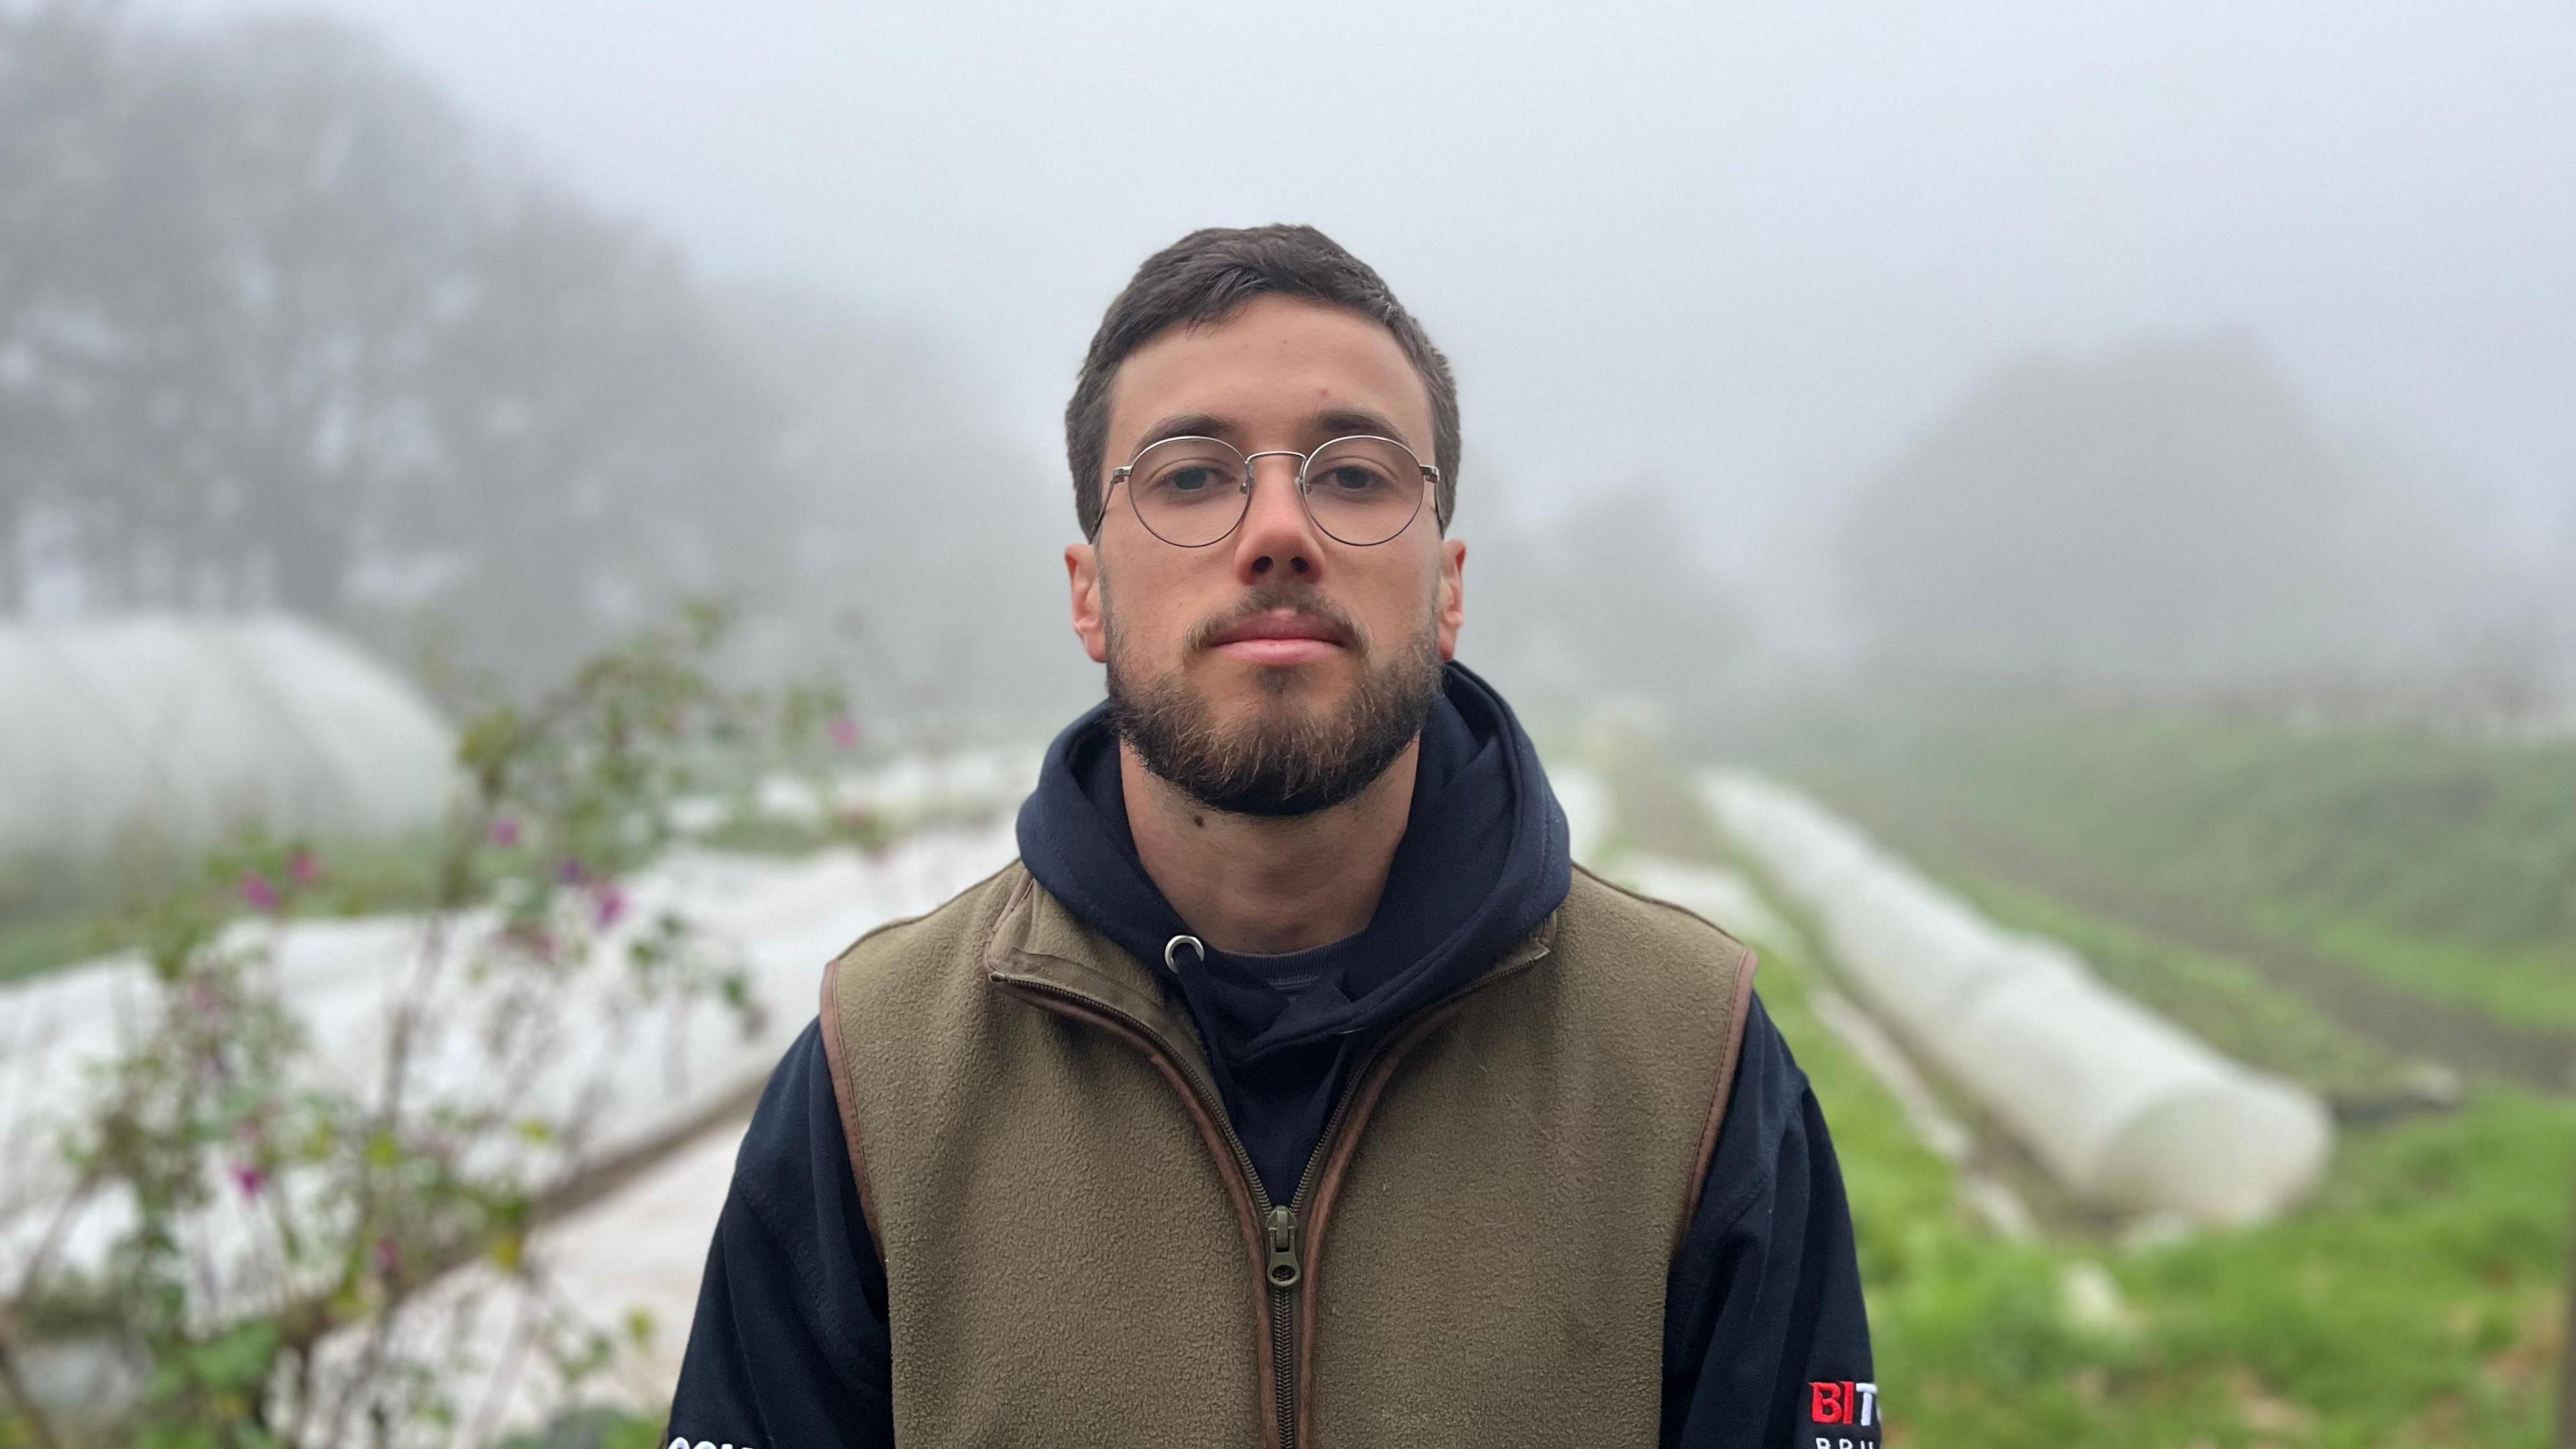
x=1360, y=490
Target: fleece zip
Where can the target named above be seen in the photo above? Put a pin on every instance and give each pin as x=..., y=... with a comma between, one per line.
x=1485, y=1236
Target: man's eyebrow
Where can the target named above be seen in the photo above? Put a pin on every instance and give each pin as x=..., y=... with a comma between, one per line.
x=1342, y=422
x=1330, y=423
x=1187, y=425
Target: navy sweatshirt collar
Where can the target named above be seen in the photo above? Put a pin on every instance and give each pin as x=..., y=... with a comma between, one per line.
x=1483, y=860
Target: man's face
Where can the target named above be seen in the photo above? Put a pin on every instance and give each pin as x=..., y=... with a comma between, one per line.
x=1278, y=670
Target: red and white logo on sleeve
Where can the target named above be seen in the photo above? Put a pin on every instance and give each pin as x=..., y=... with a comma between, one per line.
x=1842, y=1414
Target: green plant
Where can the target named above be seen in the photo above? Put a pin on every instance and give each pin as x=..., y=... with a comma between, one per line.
x=274, y=1228
x=2415, y=1298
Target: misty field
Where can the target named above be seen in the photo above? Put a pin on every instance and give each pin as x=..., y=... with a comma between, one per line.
x=2387, y=916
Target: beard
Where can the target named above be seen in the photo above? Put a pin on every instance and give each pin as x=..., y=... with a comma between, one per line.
x=1288, y=758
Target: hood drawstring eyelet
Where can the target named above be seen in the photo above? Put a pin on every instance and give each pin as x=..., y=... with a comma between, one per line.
x=1172, y=948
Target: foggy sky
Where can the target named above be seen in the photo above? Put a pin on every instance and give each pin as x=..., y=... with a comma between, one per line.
x=1748, y=250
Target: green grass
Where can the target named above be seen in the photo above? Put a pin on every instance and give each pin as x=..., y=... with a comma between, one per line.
x=2418, y=1289
x=2220, y=1000
x=2441, y=865
x=2531, y=986
x=2415, y=1297
x=2411, y=1301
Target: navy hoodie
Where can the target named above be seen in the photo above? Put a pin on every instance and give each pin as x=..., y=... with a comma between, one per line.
x=1765, y=1336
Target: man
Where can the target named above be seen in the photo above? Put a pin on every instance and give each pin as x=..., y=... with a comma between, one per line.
x=1293, y=1088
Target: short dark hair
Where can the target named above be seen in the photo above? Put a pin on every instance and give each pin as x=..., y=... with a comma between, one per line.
x=1203, y=278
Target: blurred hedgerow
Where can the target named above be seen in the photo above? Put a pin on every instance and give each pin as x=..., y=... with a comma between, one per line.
x=251, y=1221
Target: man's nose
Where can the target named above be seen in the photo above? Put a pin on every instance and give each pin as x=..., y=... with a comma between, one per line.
x=1277, y=538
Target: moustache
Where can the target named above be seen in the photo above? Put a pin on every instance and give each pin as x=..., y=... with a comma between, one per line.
x=1299, y=599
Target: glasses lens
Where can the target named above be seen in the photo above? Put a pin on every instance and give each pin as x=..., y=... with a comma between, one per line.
x=1363, y=490
x=1189, y=491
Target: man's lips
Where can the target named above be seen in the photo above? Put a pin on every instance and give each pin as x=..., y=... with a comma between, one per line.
x=1279, y=636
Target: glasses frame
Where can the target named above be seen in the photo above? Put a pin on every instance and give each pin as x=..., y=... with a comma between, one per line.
x=1305, y=499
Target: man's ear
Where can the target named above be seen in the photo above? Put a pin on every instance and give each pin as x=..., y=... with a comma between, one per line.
x=1452, y=603
x=1082, y=572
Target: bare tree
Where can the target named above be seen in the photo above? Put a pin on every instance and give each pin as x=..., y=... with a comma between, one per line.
x=599, y=448
x=224, y=254
x=276, y=326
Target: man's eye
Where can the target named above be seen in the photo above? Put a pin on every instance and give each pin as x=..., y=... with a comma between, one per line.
x=1352, y=478
x=1190, y=480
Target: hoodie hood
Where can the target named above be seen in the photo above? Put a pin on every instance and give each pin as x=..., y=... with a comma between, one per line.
x=1483, y=861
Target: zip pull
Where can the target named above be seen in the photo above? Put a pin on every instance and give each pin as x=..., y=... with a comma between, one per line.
x=1284, y=1270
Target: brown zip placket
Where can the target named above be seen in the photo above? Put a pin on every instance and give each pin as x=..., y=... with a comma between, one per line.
x=1282, y=1248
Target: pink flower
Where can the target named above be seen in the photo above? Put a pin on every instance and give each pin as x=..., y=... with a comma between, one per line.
x=607, y=904
x=845, y=732
x=256, y=891
x=249, y=1177
x=388, y=1255
x=302, y=868
x=571, y=871
x=505, y=831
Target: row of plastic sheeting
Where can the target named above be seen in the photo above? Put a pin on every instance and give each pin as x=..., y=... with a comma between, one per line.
x=639, y=1080
x=957, y=784
x=175, y=730
x=2121, y=1107
x=632, y=1078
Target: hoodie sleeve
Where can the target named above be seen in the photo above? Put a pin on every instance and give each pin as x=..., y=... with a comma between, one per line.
x=1766, y=1341
x=789, y=1346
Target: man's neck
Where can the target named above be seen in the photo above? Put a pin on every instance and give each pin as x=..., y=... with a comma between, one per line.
x=1261, y=885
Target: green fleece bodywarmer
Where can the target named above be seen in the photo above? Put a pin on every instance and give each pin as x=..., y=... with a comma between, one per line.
x=1078, y=1252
